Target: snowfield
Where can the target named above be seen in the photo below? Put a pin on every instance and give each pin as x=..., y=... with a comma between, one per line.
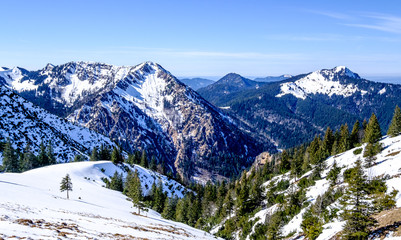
x=32, y=206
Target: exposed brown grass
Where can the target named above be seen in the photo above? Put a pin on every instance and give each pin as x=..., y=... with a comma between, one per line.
x=389, y=221
x=393, y=154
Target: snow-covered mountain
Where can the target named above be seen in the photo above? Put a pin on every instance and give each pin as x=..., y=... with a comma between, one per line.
x=32, y=206
x=326, y=81
x=293, y=111
x=23, y=122
x=141, y=107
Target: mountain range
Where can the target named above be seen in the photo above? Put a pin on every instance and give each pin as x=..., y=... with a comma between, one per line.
x=196, y=83
x=142, y=107
x=293, y=111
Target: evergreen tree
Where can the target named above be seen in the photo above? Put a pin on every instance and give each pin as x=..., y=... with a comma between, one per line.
x=51, y=158
x=170, y=208
x=181, y=210
x=79, y=158
x=333, y=173
x=355, y=136
x=311, y=224
x=116, y=182
x=116, y=156
x=357, y=205
x=159, y=198
x=94, y=155
x=372, y=131
x=144, y=159
x=66, y=185
x=42, y=157
x=344, y=143
x=10, y=158
x=153, y=164
x=285, y=163
x=105, y=153
x=395, y=125
x=328, y=142
x=29, y=160
x=133, y=189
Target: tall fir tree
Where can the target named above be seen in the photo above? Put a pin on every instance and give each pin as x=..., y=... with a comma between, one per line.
x=51, y=158
x=66, y=185
x=355, y=134
x=395, y=125
x=170, y=208
x=94, y=155
x=116, y=156
x=10, y=158
x=344, y=143
x=372, y=131
x=29, y=160
x=133, y=189
x=357, y=205
x=144, y=159
x=42, y=157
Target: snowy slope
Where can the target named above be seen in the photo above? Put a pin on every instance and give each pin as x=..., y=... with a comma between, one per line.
x=388, y=164
x=23, y=123
x=321, y=82
x=31, y=205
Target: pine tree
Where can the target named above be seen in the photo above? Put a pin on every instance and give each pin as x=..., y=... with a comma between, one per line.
x=10, y=158
x=153, y=164
x=94, y=155
x=328, y=142
x=344, y=143
x=357, y=205
x=354, y=137
x=159, y=198
x=372, y=131
x=79, y=158
x=181, y=210
x=116, y=182
x=42, y=157
x=170, y=208
x=144, y=159
x=29, y=160
x=104, y=153
x=66, y=185
x=395, y=125
x=51, y=159
x=133, y=189
x=116, y=156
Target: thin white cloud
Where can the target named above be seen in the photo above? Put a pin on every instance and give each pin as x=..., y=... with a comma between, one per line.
x=375, y=21
x=386, y=23
x=335, y=15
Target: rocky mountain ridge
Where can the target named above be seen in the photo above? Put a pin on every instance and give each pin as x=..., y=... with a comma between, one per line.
x=143, y=108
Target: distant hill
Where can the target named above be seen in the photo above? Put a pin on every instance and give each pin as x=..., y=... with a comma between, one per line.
x=196, y=83
x=273, y=78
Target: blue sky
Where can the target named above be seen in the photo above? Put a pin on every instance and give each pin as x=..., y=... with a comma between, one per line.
x=206, y=38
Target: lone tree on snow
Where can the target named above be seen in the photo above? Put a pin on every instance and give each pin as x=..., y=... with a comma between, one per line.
x=66, y=184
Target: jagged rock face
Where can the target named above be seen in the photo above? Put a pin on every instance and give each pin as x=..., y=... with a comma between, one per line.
x=24, y=123
x=144, y=107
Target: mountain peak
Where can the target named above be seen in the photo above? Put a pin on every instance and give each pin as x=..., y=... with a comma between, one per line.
x=341, y=71
x=326, y=81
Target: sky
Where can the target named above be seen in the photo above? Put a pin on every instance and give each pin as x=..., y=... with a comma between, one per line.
x=206, y=37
